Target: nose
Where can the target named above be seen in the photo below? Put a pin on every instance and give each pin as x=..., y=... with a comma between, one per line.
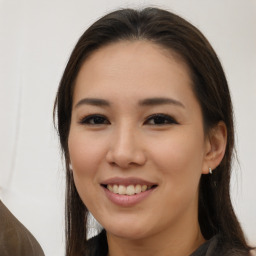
x=126, y=149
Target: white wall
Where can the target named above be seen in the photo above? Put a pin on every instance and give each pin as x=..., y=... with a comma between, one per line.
x=36, y=38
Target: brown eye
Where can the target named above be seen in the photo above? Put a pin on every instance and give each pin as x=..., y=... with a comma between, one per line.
x=94, y=120
x=160, y=119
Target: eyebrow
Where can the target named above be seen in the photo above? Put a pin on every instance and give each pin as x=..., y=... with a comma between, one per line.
x=93, y=101
x=144, y=102
x=160, y=101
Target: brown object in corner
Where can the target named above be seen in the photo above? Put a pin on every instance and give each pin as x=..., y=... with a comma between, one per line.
x=15, y=239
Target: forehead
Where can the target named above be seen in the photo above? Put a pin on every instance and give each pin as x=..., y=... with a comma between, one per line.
x=133, y=68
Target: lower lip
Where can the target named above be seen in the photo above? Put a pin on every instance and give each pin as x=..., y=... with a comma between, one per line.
x=125, y=200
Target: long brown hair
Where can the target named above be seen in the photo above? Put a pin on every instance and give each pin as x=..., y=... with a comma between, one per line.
x=216, y=214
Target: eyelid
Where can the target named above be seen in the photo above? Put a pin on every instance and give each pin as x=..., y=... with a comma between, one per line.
x=163, y=119
x=85, y=119
x=170, y=119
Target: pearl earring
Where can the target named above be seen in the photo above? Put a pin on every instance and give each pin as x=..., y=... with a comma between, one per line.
x=210, y=170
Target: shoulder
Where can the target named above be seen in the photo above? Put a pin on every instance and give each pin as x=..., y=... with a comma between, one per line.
x=97, y=245
x=217, y=246
x=226, y=248
x=15, y=239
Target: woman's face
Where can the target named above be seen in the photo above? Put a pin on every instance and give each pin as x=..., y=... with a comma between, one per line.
x=136, y=140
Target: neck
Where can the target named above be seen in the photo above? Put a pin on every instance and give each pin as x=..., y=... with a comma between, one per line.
x=175, y=242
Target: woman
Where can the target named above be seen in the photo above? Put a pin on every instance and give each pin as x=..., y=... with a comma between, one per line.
x=146, y=127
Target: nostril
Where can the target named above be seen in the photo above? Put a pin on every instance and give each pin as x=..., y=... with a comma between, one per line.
x=124, y=156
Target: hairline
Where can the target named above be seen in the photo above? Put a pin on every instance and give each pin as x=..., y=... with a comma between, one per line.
x=168, y=52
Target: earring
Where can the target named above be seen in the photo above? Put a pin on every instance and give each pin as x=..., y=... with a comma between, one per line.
x=210, y=170
x=70, y=167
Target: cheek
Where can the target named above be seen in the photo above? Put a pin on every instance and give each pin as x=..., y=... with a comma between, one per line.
x=86, y=153
x=179, y=158
x=179, y=153
x=180, y=162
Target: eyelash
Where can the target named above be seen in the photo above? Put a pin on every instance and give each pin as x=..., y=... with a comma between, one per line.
x=159, y=120
x=98, y=120
x=162, y=119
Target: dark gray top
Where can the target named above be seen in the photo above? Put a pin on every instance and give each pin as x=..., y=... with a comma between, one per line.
x=97, y=246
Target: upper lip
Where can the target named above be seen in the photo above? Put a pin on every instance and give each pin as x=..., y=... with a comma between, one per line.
x=127, y=181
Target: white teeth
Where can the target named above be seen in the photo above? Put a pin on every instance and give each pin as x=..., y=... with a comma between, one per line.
x=110, y=188
x=138, y=188
x=144, y=187
x=129, y=190
x=115, y=189
x=121, y=190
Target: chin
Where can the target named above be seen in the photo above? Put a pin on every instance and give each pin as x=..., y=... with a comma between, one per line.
x=128, y=231
x=127, y=234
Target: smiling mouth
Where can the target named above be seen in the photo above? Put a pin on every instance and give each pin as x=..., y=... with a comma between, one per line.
x=128, y=190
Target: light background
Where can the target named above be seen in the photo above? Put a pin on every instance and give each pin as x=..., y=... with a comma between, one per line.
x=36, y=38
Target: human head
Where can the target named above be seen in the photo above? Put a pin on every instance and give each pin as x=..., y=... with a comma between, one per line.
x=173, y=33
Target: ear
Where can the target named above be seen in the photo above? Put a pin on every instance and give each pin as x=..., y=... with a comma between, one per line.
x=215, y=147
